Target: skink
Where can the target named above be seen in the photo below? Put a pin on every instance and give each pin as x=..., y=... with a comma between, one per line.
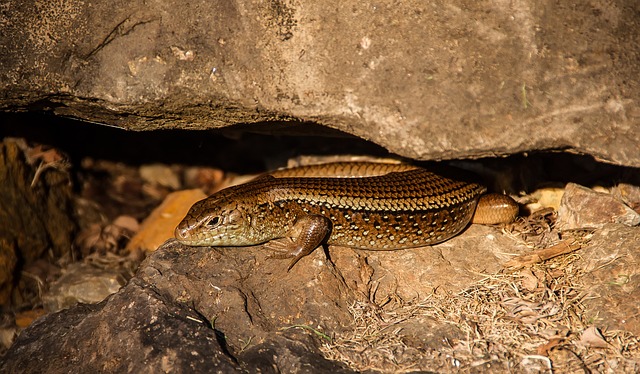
x=364, y=205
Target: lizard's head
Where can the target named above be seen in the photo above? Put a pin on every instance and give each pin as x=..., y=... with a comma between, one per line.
x=215, y=222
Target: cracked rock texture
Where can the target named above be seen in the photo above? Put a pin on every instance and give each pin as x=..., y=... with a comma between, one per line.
x=426, y=80
x=201, y=309
x=204, y=309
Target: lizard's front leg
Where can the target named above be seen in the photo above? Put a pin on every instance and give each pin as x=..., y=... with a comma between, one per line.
x=307, y=233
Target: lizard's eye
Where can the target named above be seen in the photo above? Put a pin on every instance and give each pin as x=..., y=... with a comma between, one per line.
x=213, y=222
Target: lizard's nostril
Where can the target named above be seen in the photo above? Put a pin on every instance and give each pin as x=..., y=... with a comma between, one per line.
x=181, y=233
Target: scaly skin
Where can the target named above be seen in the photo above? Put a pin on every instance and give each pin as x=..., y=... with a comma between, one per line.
x=367, y=206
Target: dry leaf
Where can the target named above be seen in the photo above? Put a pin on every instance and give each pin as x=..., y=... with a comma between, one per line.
x=207, y=179
x=529, y=280
x=107, y=238
x=127, y=223
x=49, y=156
x=592, y=337
x=161, y=175
x=24, y=319
x=161, y=223
x=88, y=238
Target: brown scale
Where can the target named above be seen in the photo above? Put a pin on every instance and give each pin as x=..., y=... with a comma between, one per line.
x=384, y=207
x=375, y=230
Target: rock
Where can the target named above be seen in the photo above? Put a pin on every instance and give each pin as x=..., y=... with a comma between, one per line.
x=611, y=263
x=135, y=331
x=437, y=80
x=582, y=207
x=236, y=308
x=629, y=194
x=191, y=309
x=450, y=266
x=82, y=283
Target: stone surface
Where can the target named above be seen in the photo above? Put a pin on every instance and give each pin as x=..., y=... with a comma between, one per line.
x=582, y=207
x=628, y=193
x=192, y=310
x=612, y=266
x=161, y=338
x=240, y=301
x=82, y=283
x=450, y=266
x=236, y=309
x=425, y=80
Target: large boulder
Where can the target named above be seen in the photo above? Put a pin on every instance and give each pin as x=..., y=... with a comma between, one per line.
x=426, y=80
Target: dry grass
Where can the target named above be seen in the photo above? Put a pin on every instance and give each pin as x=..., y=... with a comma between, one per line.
x=526, y=321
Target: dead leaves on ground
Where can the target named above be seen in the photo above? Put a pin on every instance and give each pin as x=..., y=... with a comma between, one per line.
x=109, y=238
